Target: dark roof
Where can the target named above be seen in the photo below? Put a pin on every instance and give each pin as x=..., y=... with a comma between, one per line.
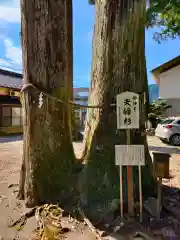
x=167, y=65
x=13, y=80
x=10, y=73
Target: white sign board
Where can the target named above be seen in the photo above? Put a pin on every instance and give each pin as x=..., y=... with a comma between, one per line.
x=127, y=110
x=129, y=155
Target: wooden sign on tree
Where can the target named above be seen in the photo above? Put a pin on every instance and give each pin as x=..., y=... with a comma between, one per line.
x=127, y=110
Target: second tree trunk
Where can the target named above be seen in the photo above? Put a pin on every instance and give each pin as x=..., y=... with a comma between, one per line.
x=118, y=65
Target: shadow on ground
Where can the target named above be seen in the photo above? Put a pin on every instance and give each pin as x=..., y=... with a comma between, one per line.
x=11, y=139
x=165, y=228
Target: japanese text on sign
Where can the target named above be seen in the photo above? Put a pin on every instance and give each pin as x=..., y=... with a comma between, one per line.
x=127, y=110
x=129, y=155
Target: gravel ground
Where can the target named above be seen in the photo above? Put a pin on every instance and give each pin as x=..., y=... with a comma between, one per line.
x=10, y=162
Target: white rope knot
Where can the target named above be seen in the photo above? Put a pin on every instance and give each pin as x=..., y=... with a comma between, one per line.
x=27, y=85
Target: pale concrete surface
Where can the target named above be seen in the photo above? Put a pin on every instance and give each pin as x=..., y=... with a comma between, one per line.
x=157, y=145
x=10, y=163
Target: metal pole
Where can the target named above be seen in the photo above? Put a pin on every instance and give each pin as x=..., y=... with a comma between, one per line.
x=140, y=195
x=121, y=192
x=130, y=180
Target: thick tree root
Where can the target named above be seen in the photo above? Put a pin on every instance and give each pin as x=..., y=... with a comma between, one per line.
x=23, y=219
x=93, y=229
x=49, y=222
x=143, y=235
x=13, y=185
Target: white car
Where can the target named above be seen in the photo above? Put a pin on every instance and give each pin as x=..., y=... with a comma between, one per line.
x=168, y=130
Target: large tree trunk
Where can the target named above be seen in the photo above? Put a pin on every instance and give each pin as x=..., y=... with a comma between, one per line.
x=48, y=157
x=118, y=65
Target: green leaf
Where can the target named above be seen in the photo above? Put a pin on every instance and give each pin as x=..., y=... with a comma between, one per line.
x=164, y=14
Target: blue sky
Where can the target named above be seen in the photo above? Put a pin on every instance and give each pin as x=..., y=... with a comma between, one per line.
x=10, y=50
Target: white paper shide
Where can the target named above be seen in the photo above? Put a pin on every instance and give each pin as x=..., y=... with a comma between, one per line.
x=127, y=110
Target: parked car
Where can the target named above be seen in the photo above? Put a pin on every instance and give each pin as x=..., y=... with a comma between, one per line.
x=168, y=130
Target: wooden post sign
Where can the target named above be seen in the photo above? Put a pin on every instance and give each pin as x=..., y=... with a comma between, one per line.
x=127, y=110
x=129, y=155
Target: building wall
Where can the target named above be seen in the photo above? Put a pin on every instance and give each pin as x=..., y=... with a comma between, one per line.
x=170, y=84
x=175, y=109
x=169, y=89
x=11, y=130
x=10, y=119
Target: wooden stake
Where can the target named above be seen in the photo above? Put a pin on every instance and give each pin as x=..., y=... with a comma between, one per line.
x=130, y=180
x=121, y=193
x=159, y=199
x=140, y=195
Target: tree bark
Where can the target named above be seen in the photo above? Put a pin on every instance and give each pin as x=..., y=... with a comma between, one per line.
x=48, y=155
x=118, y=65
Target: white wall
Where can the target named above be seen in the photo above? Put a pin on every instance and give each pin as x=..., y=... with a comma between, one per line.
x=170, y=83
x=9, y=80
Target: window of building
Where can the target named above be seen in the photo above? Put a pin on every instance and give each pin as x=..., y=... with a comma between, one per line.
x=6, y=116
x=10, y=116
x=16, y=116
